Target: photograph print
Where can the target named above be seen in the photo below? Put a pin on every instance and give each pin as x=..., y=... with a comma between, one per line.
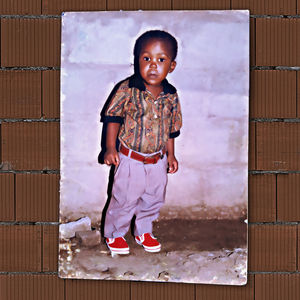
x=154, y=146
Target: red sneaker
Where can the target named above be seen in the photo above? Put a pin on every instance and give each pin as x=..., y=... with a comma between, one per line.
x=117, y=245
x=149, y=242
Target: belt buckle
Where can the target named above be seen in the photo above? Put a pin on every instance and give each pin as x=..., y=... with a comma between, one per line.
x=146, y=161
x=150, y=160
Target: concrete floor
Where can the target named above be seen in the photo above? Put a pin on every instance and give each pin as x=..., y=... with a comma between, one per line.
x=195, y=251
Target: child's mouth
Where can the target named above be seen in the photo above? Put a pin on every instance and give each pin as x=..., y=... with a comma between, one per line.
x=152, y=74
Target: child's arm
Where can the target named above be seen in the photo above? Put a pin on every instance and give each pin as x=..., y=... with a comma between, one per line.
x=172, y=161
x=111, y=155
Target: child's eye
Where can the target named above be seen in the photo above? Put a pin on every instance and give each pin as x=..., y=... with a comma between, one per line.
x=146, y=58
x=161, y=59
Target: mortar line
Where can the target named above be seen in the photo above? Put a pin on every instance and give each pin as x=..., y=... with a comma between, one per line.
x=249, y=273
x=252, y=172
x=42, y=16
x=30, y=171
x=42, y=119
x=252, y=68
x=38, y=68
x=30, y=16
x=21, y=223
x=28, y=120
x=276, y=68
x=55, y=223
x=28, y=273
x=287, y=120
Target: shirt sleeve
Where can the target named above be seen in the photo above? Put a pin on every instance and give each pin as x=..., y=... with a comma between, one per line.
x=115, y=111
x=176, y=118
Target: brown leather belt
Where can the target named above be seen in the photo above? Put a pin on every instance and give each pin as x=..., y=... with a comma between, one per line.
x=153, y=159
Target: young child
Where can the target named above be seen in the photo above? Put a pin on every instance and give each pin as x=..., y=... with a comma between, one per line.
x=144, y=113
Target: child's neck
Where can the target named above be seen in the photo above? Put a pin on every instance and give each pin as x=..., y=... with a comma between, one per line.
x=154, y=90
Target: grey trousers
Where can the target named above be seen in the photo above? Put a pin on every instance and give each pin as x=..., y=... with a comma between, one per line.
x=138, y=189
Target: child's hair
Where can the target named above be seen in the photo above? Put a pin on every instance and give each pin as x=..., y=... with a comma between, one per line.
x=149, y=35
x=155, y=34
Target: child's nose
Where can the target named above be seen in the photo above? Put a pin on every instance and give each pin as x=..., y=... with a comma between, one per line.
x=153, y=64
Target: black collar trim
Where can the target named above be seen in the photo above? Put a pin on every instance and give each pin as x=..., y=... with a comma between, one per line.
x=137, y=82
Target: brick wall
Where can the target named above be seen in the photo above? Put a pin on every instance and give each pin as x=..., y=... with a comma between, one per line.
x=29, y=131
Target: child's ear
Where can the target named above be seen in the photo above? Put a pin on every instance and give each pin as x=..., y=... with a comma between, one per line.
x=173, y=66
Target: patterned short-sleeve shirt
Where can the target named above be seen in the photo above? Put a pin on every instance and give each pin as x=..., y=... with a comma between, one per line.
x=147, y=123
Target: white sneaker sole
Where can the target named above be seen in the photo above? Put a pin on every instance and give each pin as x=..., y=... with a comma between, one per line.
x=149, y=249
x=118, y=251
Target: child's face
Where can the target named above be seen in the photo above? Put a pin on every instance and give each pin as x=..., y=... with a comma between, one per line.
x=155, y=62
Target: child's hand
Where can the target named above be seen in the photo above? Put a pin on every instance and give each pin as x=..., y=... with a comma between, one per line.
x=173, y=164
x=111, y=157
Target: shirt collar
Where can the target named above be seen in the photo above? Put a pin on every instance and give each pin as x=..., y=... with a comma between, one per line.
x=137, y=82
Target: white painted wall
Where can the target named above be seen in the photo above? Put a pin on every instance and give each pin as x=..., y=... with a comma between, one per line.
x=212, y=78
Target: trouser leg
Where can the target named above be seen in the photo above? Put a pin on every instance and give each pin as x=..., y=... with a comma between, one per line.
x=128, y=186
x=153, y=198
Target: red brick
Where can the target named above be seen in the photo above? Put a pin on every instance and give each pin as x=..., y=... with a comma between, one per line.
x=50, y=248
x=162, y=291
x=277, y=286
x=30, y=42
x=37, y=197
x=96, y=289
x=56, y=7
x=20, y=248
x=31, y=287
x=212, y=292
x=201, y=4
x=20, y=7
x=30, y=146
x=252, y=146
x=139, y=4
x=272, y=248
x=262, y=198
x=51, y=94
x=288, y=195
x=7, y=194
x=277, y=145
x=266, y=7
x=273, y=94
x=20, y=93
x=277, y=42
